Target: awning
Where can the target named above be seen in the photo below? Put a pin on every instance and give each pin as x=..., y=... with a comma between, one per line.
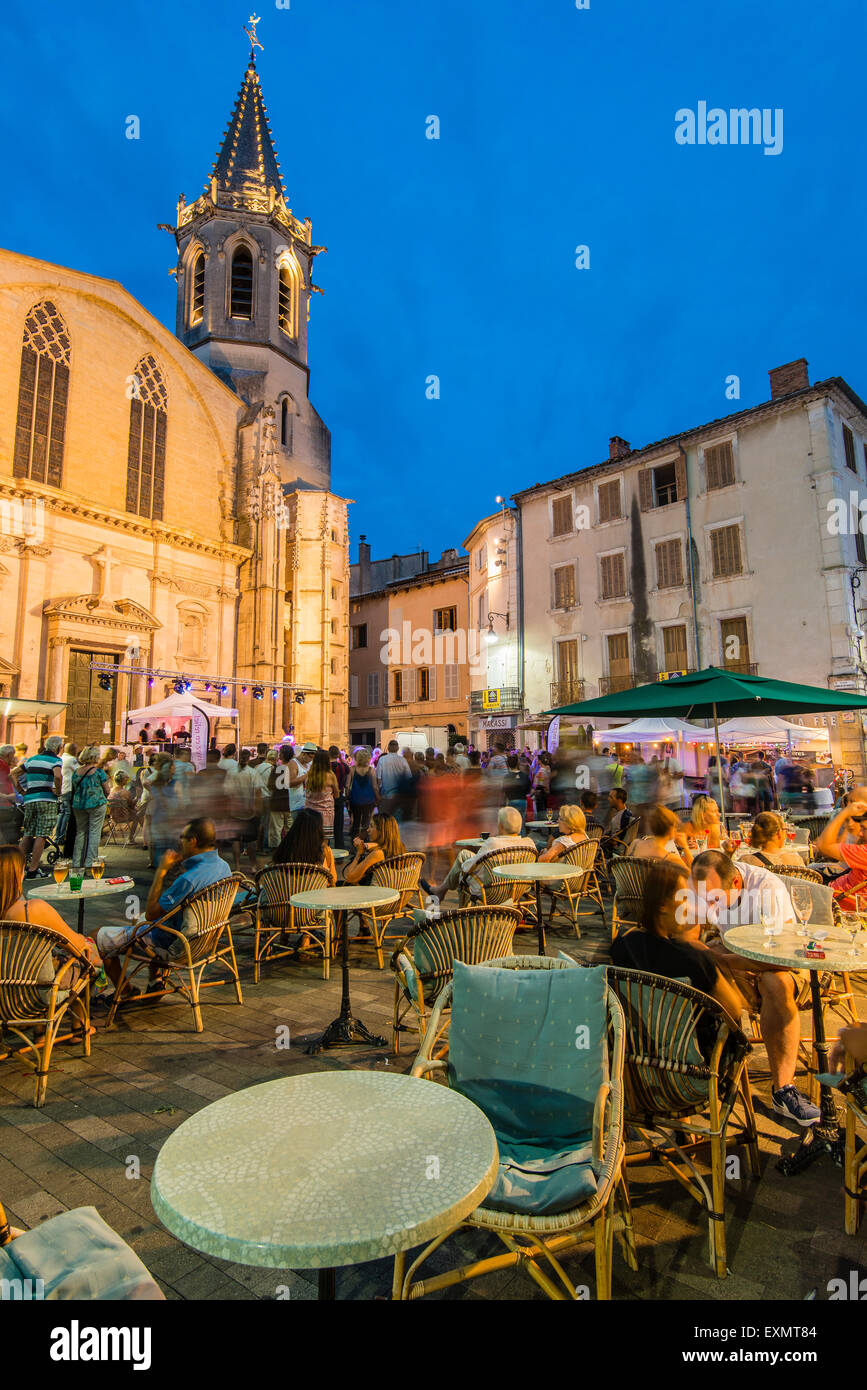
x=44, y=708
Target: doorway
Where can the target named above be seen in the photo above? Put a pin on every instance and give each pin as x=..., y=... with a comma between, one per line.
x=88, y=707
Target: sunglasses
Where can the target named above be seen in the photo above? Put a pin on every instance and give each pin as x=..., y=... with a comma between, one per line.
x=859, y=820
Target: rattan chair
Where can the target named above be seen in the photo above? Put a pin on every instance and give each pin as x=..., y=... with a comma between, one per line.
x=814, y=824
x=630, y=876
x=673, y=1088
x=401, y=873
x=275, y=919
x=853, y=1092
x=423, y=962
x=537, y=1243
x=30, y=1000
x=493, y=890
x=571, y=891
x=202, y=937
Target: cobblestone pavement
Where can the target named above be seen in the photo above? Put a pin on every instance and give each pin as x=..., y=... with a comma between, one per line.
x=145, y=1077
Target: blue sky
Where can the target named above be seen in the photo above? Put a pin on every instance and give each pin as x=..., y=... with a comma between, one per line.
x=456, y=257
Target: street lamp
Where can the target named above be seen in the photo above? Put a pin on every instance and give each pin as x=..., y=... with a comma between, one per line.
x=491, y=635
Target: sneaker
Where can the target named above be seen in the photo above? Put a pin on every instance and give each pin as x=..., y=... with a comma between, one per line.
x=790, y=1102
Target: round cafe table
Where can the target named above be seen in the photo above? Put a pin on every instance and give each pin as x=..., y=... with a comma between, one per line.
x=826, y=1136
x=472, y=843
x=60, y=893
x=340, y=854
x=542, y=824
x=345, y=1031
x=538, y=874
x=324, y=1170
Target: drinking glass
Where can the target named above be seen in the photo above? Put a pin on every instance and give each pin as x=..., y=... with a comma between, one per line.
x=97, y=868
x=60, y=869
x=851, y=924
x=76, y=879
x=802, y=902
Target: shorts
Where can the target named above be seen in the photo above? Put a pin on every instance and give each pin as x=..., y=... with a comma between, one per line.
x=40, y=818
x=113, y=941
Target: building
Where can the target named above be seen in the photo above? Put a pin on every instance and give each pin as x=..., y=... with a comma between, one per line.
x=496, y=695
x=410, y=644
x=165, y=502
x=722, y=545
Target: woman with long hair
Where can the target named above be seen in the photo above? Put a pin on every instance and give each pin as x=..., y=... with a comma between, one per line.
x=572, y=831
x=89, y=804
x=14, y=907
x=386, y=844
x=321, y=789
x=305, y=842
x=767, y=844
x=704, y=819
x=665, y=838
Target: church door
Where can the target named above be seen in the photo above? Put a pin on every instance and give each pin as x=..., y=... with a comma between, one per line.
x=89, y=708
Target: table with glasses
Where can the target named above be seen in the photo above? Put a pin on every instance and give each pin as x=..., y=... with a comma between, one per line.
x=537, y=874
x=61, y=893
x=345, y=1031
x=784, y=946
x=325, y=1170
x=472, y=843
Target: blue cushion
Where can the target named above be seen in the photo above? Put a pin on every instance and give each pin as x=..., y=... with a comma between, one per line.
x=78, y=1256
x=529, y=1048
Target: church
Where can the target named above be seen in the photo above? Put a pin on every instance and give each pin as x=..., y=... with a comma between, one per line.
x=166, y=513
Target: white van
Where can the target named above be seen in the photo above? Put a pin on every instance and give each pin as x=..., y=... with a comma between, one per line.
x=418, y=738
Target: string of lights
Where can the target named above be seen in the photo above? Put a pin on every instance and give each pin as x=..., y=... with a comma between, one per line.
x=183, y=684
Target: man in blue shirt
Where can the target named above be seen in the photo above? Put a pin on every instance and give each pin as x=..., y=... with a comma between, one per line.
x=201, y=866
x=40, y=783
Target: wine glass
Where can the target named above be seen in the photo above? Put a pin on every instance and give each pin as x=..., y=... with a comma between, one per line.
x=851, y=923
x=97, y=868
x=802, y=902
x=771, y=930
x=60, y=869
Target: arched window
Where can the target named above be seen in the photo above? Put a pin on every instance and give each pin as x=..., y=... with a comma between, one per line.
x=197, y=290
x=191, y=633
x=146, y=460
x=287, y=410
x=288, y=296
x=42, y=397
x=241, y=292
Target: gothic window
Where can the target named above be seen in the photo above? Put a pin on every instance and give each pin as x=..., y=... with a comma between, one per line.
x=146, y=459
x=241, y=292
x=42, y=396
x=287, y=410
x=197, y=295
x=287, y=298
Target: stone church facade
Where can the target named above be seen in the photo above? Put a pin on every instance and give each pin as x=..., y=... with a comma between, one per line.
x=165, y=500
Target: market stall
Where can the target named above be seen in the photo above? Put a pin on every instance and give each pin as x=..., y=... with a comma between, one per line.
x=174, y=713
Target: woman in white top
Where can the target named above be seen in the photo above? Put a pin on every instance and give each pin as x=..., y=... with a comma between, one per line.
x=767, y=846
x=573, y=831
x=666, y=838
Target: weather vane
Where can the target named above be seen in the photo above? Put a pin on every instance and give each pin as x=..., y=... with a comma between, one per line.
x=251, y=35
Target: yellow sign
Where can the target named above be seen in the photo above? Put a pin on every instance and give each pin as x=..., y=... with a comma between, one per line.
x=491, y=699
x=667, y=675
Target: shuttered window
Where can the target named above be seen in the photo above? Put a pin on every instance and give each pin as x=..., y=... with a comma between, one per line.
x=564, y=587
x=669, y=565
x=567, y=660
x=609, y=501
x=618, y=656
x=561, y=516
x=423, y=677
x=860, y=549
x=353, y=691
x=373, y=687
x=735, y=640
x=398, y=687
x=43, y=391
x=719, y=466
x=241, y=287
x=452, y=689
x=849, y=448
x=197, y=295
x=612, y=575
x=725, y=550
x=674, y=648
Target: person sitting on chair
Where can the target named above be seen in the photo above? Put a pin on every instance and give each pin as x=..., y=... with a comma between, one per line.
x=572, y=830
x=508, y=837
x=201, y=866
x=619, y=823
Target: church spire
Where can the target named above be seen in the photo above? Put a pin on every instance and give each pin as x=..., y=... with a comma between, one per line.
x=246, y=166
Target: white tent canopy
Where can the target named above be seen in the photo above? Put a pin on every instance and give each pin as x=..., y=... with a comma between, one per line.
x=179, y=707
x=769, y=728
x=653, y=730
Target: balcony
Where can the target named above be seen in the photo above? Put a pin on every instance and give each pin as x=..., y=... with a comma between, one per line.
x=609, y=685
x=741, y=668
x=566, y=692
x=508, y=699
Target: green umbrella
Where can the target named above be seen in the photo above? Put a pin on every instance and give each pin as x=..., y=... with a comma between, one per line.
x=714, y=691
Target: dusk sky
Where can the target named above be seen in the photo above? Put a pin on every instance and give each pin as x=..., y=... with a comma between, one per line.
x=456, y=257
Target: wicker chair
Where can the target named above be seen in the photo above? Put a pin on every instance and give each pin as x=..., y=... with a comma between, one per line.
x=532, y=1240
x=470, y=934
x=853, y=1092
x=494, y=890
x=814, y=824
x=203, y=938
x=401, y=873
x=275, y=918
x=630, y=876
x=571, y=891
x=72, y=1257
x=672, y=1087
x=29, y=1002
x=595, y=832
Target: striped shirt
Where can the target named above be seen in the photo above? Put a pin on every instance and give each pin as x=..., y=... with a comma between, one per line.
x=39, y=777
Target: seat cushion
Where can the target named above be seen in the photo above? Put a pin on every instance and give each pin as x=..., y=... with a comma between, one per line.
x=544, y=1184
x=78, y=1256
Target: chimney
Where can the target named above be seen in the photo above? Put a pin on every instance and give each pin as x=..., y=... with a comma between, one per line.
x=618, y=448
x=363, y=564
x=792, y=376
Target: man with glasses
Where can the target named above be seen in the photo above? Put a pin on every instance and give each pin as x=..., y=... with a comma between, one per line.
x=831, y=845
x=199, y=867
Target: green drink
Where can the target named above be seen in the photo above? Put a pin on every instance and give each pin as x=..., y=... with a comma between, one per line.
x=76, y=878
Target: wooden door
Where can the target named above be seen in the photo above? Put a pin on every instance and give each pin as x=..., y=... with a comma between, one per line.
x=88, y=707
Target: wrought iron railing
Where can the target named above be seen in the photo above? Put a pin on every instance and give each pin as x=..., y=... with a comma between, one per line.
x=566, y=692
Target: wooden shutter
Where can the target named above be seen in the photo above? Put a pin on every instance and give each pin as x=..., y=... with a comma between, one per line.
x=725, y=544
x=613, y=575
x=618, y=654
x=353, y=690
x=409, y=685
x=740, y=655
x=719, y=465
x=645, y=489
x=564, y=587
x=849, y=448
x=669, y=565
x=674, y=646
x=432, y=682
x=860, y=549
x=680, y=477
x=567, y=660
x=561, y=516
x=609, y=501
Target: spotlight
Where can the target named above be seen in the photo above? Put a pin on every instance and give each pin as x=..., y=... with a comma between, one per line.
x=243, y=690
x=258, y=692
x=224, y=690
x=299, y=697
x=187, y=687
x=207, y=685
x=150, y=683
x=104, y=682
x=178, y=687
x=273, y=694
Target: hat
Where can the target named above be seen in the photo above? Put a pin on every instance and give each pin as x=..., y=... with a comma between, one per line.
x=310, y=748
